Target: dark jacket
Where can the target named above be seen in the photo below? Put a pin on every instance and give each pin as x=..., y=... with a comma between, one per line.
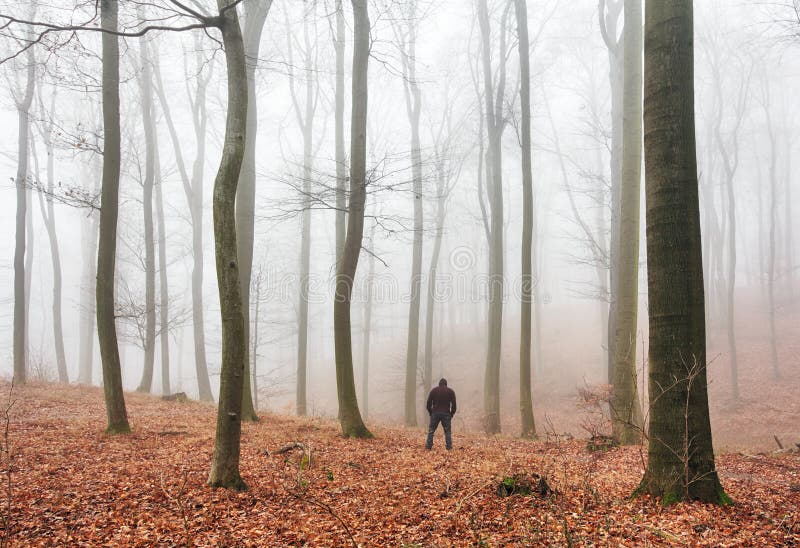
x=441, y=400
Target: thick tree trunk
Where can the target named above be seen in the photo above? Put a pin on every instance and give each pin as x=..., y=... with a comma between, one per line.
x=626, y=411
x=255, y=15
x=225, y=463
x=680, y=464
x=146, y=92
x=528, y=426
x=349, y=414
x=193, y=189
x=109, y=210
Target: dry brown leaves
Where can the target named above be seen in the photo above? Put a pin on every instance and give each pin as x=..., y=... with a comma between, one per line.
x=73, y=485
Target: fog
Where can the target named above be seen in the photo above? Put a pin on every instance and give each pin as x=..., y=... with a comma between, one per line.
x=747, y=80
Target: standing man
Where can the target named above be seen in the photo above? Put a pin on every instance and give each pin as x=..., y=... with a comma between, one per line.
x=441, y=407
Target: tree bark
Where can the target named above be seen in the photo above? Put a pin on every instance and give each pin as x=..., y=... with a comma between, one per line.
x=626, y=411
x=116, y=413
x=349, y=414
x=680, y=463
x=225, y=463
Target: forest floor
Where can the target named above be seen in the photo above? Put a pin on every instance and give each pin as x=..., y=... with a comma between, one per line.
x=72, y=485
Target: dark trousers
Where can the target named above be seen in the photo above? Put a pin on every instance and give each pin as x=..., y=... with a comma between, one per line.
x=437, y=418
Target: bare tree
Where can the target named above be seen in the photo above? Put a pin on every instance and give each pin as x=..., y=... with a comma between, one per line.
x=495, y=123
x=117, y=415
x=349, y=415
x=46, y=130
x=193, y=189
x=255, y=15
x=680, y=464
x=627, y=413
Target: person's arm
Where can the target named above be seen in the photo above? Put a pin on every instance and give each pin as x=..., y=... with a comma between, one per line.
x=429, y=404
x=453, y=402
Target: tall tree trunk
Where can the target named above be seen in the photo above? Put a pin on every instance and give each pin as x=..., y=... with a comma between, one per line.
x=626, y=411
x=771, y=245
x=163, y=283
x=23, y=105
x=193, y=189
x=608, y=27
x=116, y=413
x=146, y=91
x=367, y=327
x=341, y=161
x=225, y=463
x=89, y=228
x=433, y=271
x=527, y=424
x=349, y=415
x=254, y=357
x=680, y=464
x=255, y=15
x=49, y=216
x=305, y=119
x=413, y=99
x=494, y=125
x=789, y=221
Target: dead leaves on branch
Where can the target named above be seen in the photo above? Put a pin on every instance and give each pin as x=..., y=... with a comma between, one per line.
x=309, y=486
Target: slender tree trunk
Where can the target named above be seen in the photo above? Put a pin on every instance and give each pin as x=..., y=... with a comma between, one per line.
x=433, y=272
x=255, y=15
x=789, y=221
x=771, y=246
x=608, y=24
x=254, y=357
x=163, y=290
x=49, y=216
x=494, y=125
x=367, y=327
x=349, y=414
x=680, y=464
x=145, y=86
x=626, y=411
x=305, y=119
x=193, y=189
x=413, y=99
x=341, y=161
x=225, y=463
x=528, y=426
x=116, y=413
x=20, y=307
x=89, y=228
